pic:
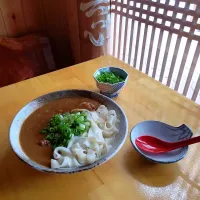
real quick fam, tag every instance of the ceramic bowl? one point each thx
(111, 90)
(164, 132)
(28, 109)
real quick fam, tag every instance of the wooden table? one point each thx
(127, 175)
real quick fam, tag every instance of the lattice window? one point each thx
(160, 38)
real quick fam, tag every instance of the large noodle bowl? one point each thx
(68, 131)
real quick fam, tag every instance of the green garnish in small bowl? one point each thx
(110, 80)
(109, 77)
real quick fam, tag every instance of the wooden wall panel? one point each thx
(13, 17)
(58, 19)
(56, 27)
(2, 26)
(71, 11)
(33, 15)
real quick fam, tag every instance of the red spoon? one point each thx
(154, 145)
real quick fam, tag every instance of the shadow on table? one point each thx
(148, 173)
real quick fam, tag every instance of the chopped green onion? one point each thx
(81, 127)
(62, 127)
(109, 77)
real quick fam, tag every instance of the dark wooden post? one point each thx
(94, 28)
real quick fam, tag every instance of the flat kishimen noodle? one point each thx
(89, 147)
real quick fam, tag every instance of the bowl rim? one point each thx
(100, 161)
(150, 159)
(94, 75)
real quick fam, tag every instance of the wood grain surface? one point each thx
(127, 175)
(56, 19)
(60, 20)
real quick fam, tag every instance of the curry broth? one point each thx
(30, 136)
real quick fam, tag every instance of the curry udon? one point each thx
(68, 132)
